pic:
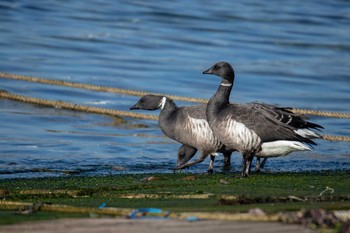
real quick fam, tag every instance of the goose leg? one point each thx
(211, 164)
(247, 161)
(259, 165)
(227, 160)
(244, 164)
(249, 164)
(262, 165)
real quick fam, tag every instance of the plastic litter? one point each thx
(149, 213)
(192, 219)
(103, 205)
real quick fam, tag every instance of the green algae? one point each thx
(184, 192)
(12, 217)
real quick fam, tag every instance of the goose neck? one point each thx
(222, 95)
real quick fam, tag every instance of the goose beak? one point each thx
(135, 107)
(208, 71)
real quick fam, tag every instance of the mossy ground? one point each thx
(179, 192)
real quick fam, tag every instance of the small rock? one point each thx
(189, 178)
(257, 212)
(4, 192)
(222, 181)
(150, 178)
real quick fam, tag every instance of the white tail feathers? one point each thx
(306, 133)
(280, 148)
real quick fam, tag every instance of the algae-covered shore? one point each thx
(177, 193)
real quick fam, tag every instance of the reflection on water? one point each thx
(295, 54)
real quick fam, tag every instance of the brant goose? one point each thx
(187, 125)
(285, 115)
(252, 130)
(186, 152)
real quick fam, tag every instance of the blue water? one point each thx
(295, 53)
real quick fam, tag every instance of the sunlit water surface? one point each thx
(296, 54)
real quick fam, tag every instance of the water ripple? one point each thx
(295, 54)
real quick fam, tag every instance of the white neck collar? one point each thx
(162, 103)
(226, 84)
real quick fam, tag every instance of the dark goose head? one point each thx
(223, 70)
(150, 102)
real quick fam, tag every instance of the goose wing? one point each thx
(197, 111)
(285, 115)
(263, 121)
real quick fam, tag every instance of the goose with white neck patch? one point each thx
(187, 125)
(252, 131)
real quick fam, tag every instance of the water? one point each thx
(295, 54)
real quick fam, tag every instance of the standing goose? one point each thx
(186, 125)
(252, 131)
(281, 114)
(186, 152)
